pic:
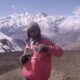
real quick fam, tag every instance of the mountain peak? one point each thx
(54, 27)
(7, 44)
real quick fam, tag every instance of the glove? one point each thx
(41, 48)
(24, 58)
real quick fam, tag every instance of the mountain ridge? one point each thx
(7, 44)
(64, 31)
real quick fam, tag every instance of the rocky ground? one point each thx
(65, 68)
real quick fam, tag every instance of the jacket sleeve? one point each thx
(55, 50)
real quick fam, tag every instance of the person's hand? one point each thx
(24, 58)
(42, 48)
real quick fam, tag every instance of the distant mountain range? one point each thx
(64, 31)
(7, 44)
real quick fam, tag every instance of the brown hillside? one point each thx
(65, 68)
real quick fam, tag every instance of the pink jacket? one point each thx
(39, 65)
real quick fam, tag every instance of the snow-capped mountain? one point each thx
(58, 28)
(18, 22)
(7, 44)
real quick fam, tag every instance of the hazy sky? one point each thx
(51, 7)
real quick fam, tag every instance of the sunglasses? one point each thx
(32, 31)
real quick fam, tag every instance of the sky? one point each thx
(51, 7)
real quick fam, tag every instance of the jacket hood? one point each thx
(33, 25)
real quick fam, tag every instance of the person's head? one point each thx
(33, 30)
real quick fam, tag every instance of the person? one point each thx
(38, 53)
